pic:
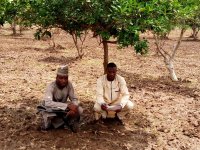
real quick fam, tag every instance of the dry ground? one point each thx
(166, 116)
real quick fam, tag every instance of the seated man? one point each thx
(56, 110)
(112, 97)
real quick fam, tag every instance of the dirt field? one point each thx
(166, 115)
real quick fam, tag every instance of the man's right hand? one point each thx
(104, 106)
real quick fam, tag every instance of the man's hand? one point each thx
(72, 113)
(116, 108)
(72, 107)
(104, 106)
(72, 110)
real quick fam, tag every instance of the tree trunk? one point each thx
(105, 48)
(79, 48)
(53, 42)
(20, 29)
(170, 67)
(13, 26)
(195, 31)
(81, 54)
(195, 34)
(169, 58)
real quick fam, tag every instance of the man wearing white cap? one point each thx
(60, 105)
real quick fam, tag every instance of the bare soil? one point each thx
(166, 115)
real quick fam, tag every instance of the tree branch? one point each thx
(178, 43)
(158, 46)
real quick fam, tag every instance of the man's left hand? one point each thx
(118, 108)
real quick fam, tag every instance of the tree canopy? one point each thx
(107, 19)
(114, 21)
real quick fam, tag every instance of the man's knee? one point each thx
(80, 110)
(130, 105)
(97, 107)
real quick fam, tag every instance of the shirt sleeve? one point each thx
(72, 95)
(99, 92)
(48, 99)
(124, 92)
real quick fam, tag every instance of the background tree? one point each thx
(70, 16)
(161, 18)
(194, 22)
(3, 4)
(107, 19)
(15, 14)
(119, 20)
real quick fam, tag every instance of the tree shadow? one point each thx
(61, 60)
(14, 36)
(134, 81)
(15, 124)
(21, 37)
(188, 39)
(19, 129)
(111, 135)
